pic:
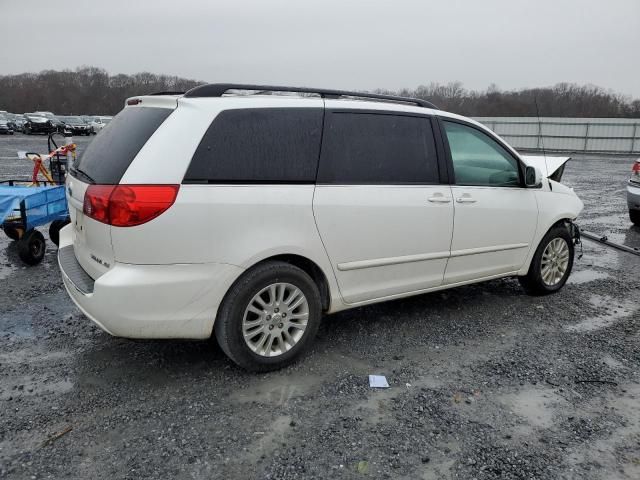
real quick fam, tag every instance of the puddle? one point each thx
(586, 276)
(16, 323)
(536, 405)
(277, 389)
(615, 310)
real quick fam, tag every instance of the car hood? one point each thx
(547, 165)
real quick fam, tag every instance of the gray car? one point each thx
(633, 193)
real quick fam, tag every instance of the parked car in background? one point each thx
(37, 124)
(57, 123)
(297, 207)
(19, 123)
(77, 126)
(88, 119)
(5, 128)
(99, 123)
(633, 193)
(12, 123)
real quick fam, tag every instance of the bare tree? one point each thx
(91, 90)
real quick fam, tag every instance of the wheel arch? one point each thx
(540, 233)
(311, 268)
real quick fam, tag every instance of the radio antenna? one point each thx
(535, 100)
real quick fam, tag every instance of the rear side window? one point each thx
(259, 145)
(109, 155)
(369, 148)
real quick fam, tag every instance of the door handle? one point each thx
(464, 199)
(439, 199)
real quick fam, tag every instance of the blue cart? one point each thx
(23, 208)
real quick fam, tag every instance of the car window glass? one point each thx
(478, 159)
(259, 145)
(371, 148)
(107, 158)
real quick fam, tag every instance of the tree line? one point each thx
(561, 100)
(84, 91)
(93, 91)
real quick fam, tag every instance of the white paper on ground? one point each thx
(378, 381)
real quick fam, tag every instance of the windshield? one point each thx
(74, 120)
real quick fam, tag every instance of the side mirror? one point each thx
(532, 177)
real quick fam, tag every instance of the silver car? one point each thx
(633, 193)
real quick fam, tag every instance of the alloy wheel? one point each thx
(555, 261)
(275, 319)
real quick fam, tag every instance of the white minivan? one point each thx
(232, 212)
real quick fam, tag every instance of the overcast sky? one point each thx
(351, 44)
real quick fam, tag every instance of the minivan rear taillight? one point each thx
(128, 205)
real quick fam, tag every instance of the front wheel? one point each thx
(269, 317)
(634, 216)
(551, 264)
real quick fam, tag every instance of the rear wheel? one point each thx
(31, 247)
(634, 216)
(54, 230)
(551, 264)
(269, 317)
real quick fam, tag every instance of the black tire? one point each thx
(228, 325)
(634, 216)
(12, 233)
(31, 247)
(533, 282)
(54, 230)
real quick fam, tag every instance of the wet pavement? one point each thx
(485, 381)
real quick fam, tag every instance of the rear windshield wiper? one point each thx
(76, 171)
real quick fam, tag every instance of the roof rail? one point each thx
(168, 92)
(219, 89)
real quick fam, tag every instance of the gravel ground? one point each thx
(486, 382)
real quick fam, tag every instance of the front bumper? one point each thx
(633, 196)
(148, 301)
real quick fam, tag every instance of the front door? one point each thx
(495, 216)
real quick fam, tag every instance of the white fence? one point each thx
(596, 135)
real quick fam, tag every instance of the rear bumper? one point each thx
(149, 301)
(633, 196)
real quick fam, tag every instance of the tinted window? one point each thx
(478, 159)
(377, 149)
(109, 155)
(279, 145)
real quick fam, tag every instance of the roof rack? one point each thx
(219, 89)
(168, 92)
